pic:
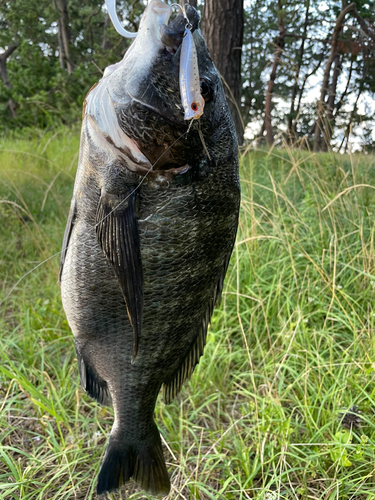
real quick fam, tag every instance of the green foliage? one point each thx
(308, 31)
(290, 347)
(46, 96)
(44, 93)
(260, 40)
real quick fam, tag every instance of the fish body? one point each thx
(149, 235)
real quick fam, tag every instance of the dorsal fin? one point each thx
(173, 386)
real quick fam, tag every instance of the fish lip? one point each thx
(171, 34)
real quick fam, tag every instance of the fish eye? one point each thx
(207, 90)
(194, 106)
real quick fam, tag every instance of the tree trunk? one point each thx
(302, 91)
(61, 45)
(63, 34)
(4, 75)
(330, 106)
(222, 27)
(107, 22)
(321, 111)
(279, 43)
(292, 114)
(353, 112)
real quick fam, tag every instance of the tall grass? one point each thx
(290, 349)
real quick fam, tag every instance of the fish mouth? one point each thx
(154, 50)
(137, 104)
(153, 115)
(171, 35)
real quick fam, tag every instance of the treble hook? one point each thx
(188, 25)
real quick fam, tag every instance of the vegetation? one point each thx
(294, 70)
(290, 350)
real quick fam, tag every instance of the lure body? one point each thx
(192, 100)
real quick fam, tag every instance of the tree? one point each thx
(62, 46)
(293, 114)
(63, 34)
(325, 117)
(222, 27)
(4, 75)
(280, 54)
(279, 47)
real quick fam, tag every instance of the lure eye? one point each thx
(194, 106)
(207, 90)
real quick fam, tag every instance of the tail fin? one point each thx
(141, 460)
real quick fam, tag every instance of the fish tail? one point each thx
(141, 460)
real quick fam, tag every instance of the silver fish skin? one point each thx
(150, 231)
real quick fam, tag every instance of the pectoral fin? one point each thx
(117, 233)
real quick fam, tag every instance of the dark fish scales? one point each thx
(150, 232)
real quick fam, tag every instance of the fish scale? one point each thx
(147, 243)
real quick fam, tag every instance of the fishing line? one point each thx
(28, 272)
(144, 177)
(202, 140)
(121, 202)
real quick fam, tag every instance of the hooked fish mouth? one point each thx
(171, 35)
(137, 104)
(154, 101)
(154, 37)
(130, 78)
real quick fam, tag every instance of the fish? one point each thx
(149, 235)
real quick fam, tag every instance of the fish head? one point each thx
(143, 90)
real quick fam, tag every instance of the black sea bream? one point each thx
(150, 231)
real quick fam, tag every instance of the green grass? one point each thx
(291, 346)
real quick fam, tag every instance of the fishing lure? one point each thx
(191, 97)
(192, 100)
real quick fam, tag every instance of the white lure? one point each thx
(190, 89)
